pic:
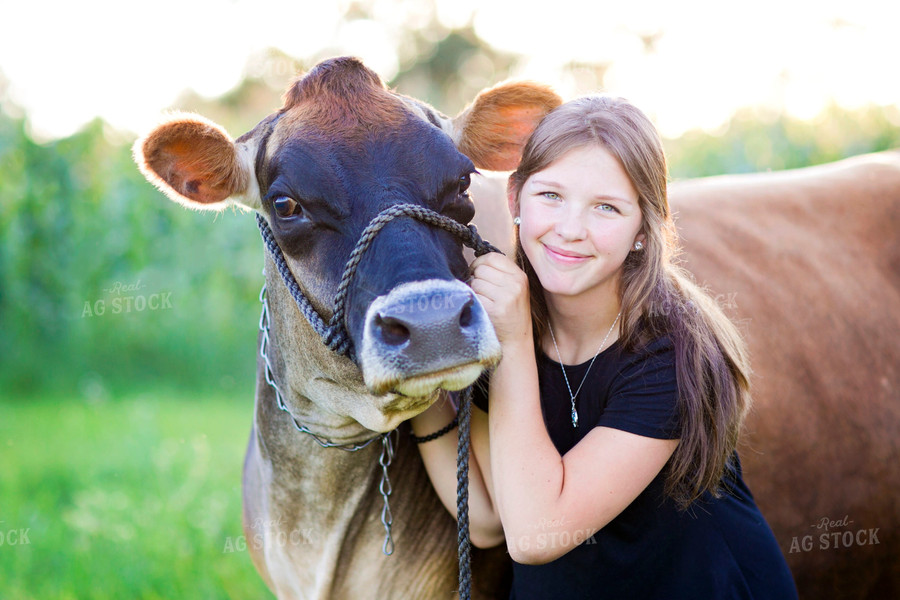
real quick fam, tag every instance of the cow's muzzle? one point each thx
(426, 335)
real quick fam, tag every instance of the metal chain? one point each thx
(387, 519)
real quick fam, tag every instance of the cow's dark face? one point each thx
(323, 194)
(342, 149)
(331, 164)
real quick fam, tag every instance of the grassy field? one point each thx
(131, 498)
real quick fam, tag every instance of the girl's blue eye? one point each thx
(607, 208)
(550, 195)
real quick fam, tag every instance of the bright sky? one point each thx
(67, 62)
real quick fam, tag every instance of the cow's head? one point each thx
(340, 150)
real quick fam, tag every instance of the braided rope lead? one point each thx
(338, 337)
(462, 496)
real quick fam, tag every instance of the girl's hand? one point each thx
(502, 288)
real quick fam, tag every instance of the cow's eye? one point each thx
(464, 182)
(285, 206)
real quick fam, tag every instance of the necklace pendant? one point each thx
(583, 379)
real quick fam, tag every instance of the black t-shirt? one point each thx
(719, 548)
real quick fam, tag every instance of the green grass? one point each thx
(131, 498)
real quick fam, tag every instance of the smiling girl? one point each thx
(608, 459)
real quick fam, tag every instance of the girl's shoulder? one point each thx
(646, 349)
(642, 395)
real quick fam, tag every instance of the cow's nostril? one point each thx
(465, 315)
(393, 332)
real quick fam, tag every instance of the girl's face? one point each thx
(580, 219)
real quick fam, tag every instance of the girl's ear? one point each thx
(640, 238)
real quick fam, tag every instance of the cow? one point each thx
(807, 262)
(342, 149)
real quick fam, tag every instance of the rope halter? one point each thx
(334, 333)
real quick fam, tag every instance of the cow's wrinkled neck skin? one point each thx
(287, 526)
(324, 391)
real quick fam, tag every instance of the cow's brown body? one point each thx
(810, 262)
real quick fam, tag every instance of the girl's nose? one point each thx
(570, 224)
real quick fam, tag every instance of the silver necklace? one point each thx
(583, 379)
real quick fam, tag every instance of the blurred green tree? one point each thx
(79, 226)
(758, 140)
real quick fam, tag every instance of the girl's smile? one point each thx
(565, 257)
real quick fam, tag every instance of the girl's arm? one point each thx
(549, 503)
(439, 456)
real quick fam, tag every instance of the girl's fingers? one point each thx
(496, 286)
(490, 275)
(502, 289)
(498, 269)
(486, 289)
(496, 261)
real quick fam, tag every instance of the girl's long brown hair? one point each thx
(658, 297)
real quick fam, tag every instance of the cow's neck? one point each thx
(315, 513)
(311, 504)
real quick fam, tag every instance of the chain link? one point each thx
(387, 519)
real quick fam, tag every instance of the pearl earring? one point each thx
(638, 245)
(517, 221)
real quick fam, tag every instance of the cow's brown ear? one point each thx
(194, 162)
(493, 130)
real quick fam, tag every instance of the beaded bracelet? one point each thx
(436, 434)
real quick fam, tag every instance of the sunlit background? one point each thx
(122, 431)
(690, 64)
